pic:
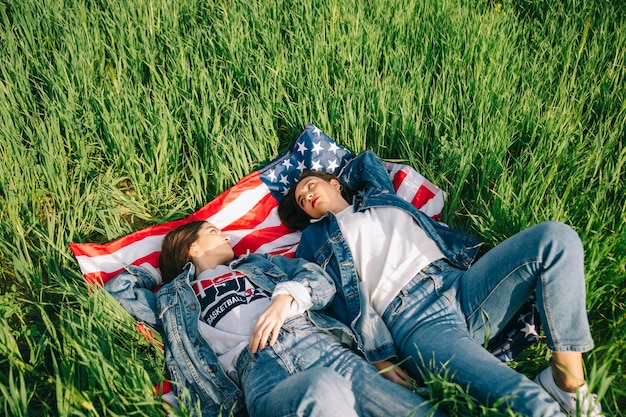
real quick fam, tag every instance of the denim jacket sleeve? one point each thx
(367, 171)
(132, 288)
(319, 284)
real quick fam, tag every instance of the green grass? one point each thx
(120, 114)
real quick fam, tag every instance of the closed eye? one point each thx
(307, 187)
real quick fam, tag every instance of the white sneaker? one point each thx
(572, 403)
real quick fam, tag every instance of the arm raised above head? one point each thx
(132, 288)
(367, 171)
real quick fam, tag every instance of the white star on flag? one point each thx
(332, 165)
(317, 147)
(302, 148)
(287, 163)
(301, 166)
(333, 148)
(529, 329)
(272, 175)
(316, 166)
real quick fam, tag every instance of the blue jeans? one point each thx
(309, 373)
(444, 317)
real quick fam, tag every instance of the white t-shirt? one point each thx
(230, 305)
(389, 248)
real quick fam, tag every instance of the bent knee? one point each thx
(561, 234)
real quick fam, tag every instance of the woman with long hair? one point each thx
(406, 288)
(243, 331)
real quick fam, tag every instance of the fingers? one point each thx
(260, 339)
(269, 323)
(264, 333)
(398, 377)
(274, 336)
(402, 378)
(403, 374)
(394, 373)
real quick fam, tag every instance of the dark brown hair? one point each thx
(291, 214)
(175, 249)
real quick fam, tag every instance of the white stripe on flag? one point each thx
(240, 206)
(271, 220)
(128, 254)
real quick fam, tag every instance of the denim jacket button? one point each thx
(197, 341)
(213, 368)
(192, 307)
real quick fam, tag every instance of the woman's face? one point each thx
(210, 242)
(316, 196)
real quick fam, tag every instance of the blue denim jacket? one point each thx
(175, 311)
(322, 242)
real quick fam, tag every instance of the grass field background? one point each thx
(115, 115)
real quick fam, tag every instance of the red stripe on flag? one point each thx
(287, 253)
(257, 238)
(98, 278)
(216, 205)
(162, 387)
(422, 196)
(398, 178)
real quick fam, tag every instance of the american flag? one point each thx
(248, 211)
